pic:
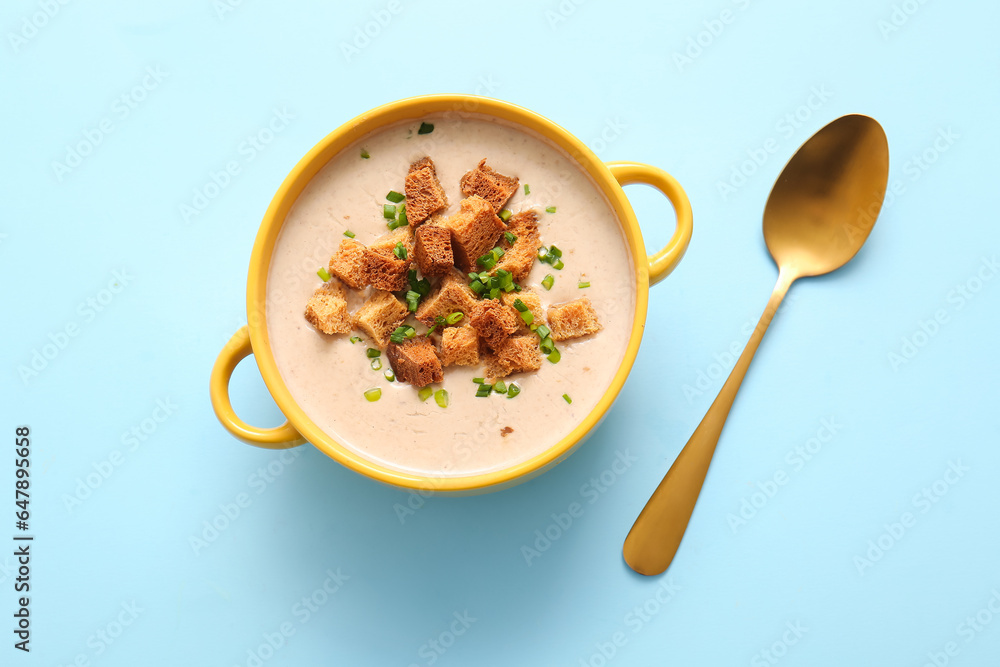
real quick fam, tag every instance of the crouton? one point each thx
(530, 299)
(520, 255)
(493, 187)
(460, 346)
(474, 231)
(493, 321)
(379, 316)
(424, 194)
(415, 361)
(327, 309)
(350, 264)
(433, 250)
(516, 354)
(385, 270)
(573, 319)
(452, 295)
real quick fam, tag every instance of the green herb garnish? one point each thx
(376, 364)
(390, 376)
(550, 209)
(348, 233)
(554, 357)
(567, 398)
(364, 154)
(424, 393)
(373, 394)
(513, 390)
(426, 128)
(395, 197)
(389, 211)
(441, 396)
(355, 339)
(323, 274)
(505, 214)
(527, 190)
(547, 282)
(454, 318)
(510, 237)
(583, 285)
(399, 250)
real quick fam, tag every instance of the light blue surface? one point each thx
(730, 592)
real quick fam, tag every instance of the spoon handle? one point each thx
(656, 534)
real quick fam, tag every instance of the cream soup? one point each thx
(328, 375)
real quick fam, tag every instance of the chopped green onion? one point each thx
(376, 364)
(373, 353)
(495, 293)
(355, 339)
(510, 237)
(513, 390)
(348, 233)
(402, 221)
(454, 318)
(520, 305)
(479, 380)
(558, 265)
(412, 300)
(567, 398)
(547, 346)
(422, 286)
(399, 250)
(441, 398)
(543, 254)
(505, 214)
(487, 261)
(555, 356)
(364, 154)
(527, 190)
(484, 390)
(393, 225)
(500, 387)
(554, 251)
(498, 252)
(425, 128)
(395, 197)
(424, 393)
(388, 211)
(390, 376)
(550, 209)
(323, 274)
(477, 287)
(373, 394)
(583, 285)
(542, 331)
(401, 333)
(527, 316)
(547, 282)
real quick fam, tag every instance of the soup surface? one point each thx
(328, 375)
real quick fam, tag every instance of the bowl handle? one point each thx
(238, 347)
(664, 261)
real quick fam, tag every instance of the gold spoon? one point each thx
(818, 216)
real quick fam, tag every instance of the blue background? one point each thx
(592, 67)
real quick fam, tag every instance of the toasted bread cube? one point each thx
(493, 321)
(327, 308)
(350, 264)
(520, 256)
(474, 231)
(379, 316)
(460, 346)
(530, 299)
(386, 271)
(517, 354)
(495, 188)
(424, 194)
(415, 361)
(433, 250)
(573, 319)
(452, 295)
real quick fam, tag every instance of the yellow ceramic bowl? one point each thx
(253, 339)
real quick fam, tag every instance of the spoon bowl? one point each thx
(824, 203)
(818, 215)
